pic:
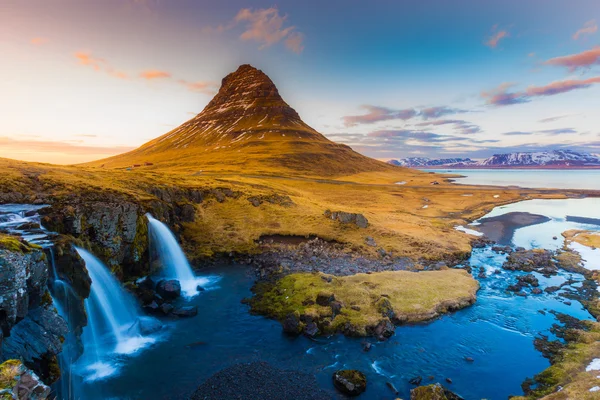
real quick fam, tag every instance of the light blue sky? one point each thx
(72, 85)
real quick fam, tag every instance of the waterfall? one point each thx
(113, 322)
(172, 258)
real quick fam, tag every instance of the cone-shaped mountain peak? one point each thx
(247, 126)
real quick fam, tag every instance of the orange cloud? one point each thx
(99, 64)
(580, 60)
(588, 28)
(154, 74)
(39, 41)
(496, 37)
(199, 86)
(295, 42)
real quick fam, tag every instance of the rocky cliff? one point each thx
(32, 331)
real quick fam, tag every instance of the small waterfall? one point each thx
(172, 258)
(113, 322)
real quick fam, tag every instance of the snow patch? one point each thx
(594, 365)
(468, 231)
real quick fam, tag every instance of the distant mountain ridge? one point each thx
(543, 159)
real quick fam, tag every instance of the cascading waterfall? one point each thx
(113, 318)
(174, 262)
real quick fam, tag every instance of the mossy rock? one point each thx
(8, 373)
(433, 392)
(350, 382)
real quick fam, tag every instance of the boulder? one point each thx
(350, 382)
(384, 330)
(347, 218)
(185, 312)
(166, 308)
(311, 329)
(291, 324)
(433, 392)
(145, 283)
(169, 289)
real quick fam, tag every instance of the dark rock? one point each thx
(448, 380)
(529, 279)
(469, 359)
(166, 308)
(146, 283)
(391, 386)
(552, 289)
(311, 329)
(347, 218)
(325, 298)
(169, 289)
(536, 291)
(370, 241)
(416, 380)
(355, 307)
(482, 275)
(367, 346)
(151, 308)
(384, 330)
(336, 307)
(350, 382)
(200, 288)
(145, 326)
(384, 306)
(184, 312)
(291, 324)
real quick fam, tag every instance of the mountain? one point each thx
(416, 162)
(566, 158)
(542, 159)
(247, 127)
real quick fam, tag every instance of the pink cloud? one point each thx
(580, 60)
(588, 28)
(199, 86)
(500, 96)
(99, 64)
(154, 74)
(496, 37)
(376, 114)
(264, 26)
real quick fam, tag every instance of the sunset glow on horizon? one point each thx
(87, 79)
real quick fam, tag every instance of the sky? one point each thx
(85, 79)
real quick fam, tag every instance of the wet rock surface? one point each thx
(433, 392)
(259, 380)
(350, 382)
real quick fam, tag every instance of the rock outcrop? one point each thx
(348, 218)
(32, 331)
(433, 392)
(350, 382)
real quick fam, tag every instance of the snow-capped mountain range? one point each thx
(545, 159)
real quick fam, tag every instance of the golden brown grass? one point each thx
(8, 372)
(586, 238)
(414, 296)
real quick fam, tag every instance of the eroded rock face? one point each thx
(23, 278)
(32, 331)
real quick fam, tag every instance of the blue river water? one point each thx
(497, 332)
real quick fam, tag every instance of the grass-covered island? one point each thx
(362, 304)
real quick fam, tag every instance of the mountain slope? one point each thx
(247, 127)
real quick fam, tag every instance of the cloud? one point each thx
(462, 126)
(266, 27)
(573, 62)
(588, 28)
(496, 37)
(39, 41)
(99, 64)
(377, 114)
(295, 42)
(517, 133)
(437, 112)
(560, 131)
(552, 119)
(502, 97)
(154, 74)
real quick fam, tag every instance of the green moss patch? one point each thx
(362, 301)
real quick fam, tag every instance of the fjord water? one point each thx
(173, 261)
(497, 332)
(528, 178)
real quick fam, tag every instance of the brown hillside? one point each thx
(247, 127)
